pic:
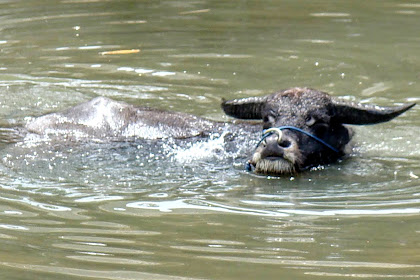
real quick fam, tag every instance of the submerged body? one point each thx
(303, 127)
(104, 118)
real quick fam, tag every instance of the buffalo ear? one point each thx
(351, 113)
(245, 108)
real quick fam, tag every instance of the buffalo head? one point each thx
(304, 127)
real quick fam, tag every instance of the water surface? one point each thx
(141, 210)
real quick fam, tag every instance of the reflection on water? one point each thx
(187, 209)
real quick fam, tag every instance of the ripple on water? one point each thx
(142, 210)
(355, 187)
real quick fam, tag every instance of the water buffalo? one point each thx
(302, 127)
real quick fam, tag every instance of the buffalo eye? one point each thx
(270, 117)
(310, 120)
(269, 121)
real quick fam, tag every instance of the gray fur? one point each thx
(313, 111)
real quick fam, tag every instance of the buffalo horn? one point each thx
(351, 113)
(244, 108)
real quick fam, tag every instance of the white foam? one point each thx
(201, 150)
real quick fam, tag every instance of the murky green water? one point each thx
(141, 211)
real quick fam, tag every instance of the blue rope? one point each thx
(265, 135)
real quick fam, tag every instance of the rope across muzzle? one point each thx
(278, 131)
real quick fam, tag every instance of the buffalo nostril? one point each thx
(273, 141)
(285, 143)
